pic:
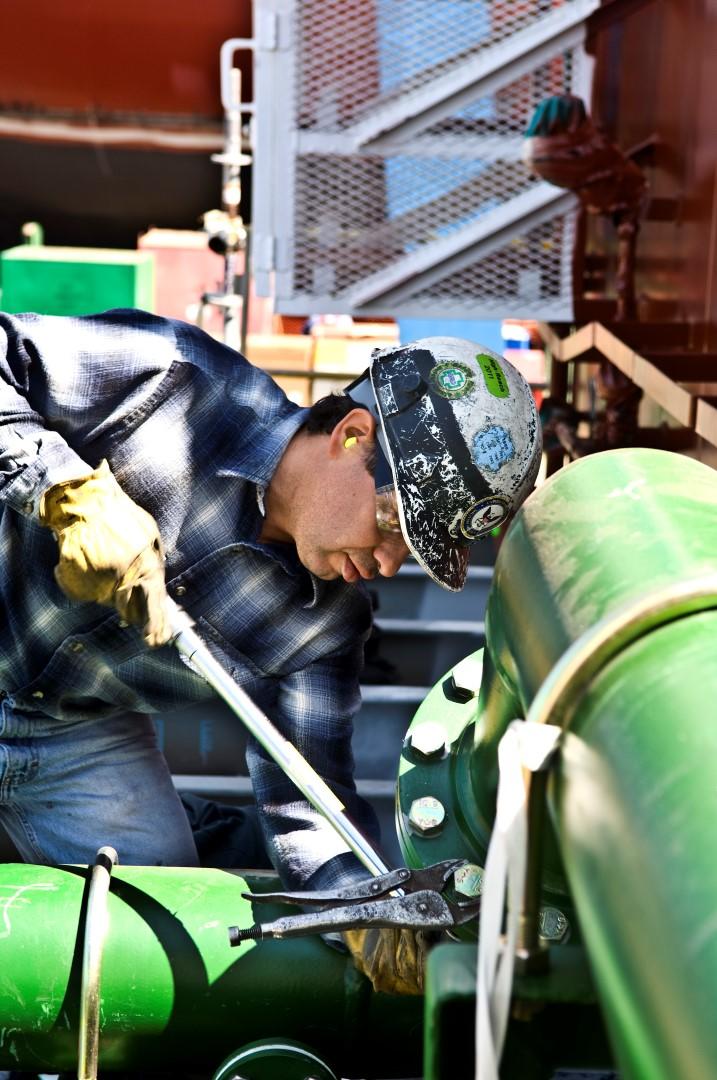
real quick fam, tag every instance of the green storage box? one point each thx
(75, 281)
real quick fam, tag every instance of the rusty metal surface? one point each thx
(128, 58)
(655, 79)
(109, 113)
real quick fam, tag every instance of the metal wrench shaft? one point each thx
(280, 749)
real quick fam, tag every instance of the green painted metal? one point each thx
(556, 1022)
(465, 830)
(633, 794)
(75, 281)
(464, 780)
(606, 530)
(174, 994)
(635, 804)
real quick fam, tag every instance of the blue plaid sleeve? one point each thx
(315, 711)
(61, 381)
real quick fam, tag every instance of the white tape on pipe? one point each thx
(525, 745)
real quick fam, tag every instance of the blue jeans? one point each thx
(65, 793)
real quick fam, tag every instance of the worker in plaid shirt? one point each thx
(140, 458)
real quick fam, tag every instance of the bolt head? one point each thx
(426, 815)
(467, 675)
(428, 740)
(552, 924)
(468, 880)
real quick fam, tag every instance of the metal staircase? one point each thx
(387, 155)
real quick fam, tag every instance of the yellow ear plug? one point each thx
(351, 441)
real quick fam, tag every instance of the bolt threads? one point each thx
(237, 934)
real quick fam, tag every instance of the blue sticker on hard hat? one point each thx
(483, 517)
(452, 379)
(492, 447)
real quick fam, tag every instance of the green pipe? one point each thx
(609, 529)
(633, 793)
(173, 992)
(635, 804)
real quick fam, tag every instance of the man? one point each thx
(140, 458)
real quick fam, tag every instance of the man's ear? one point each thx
(355, 430)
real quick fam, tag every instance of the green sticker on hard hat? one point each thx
(452, 379)
(495, 380)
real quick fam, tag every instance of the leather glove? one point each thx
(110, 550)
(392, 958)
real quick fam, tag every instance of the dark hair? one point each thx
(325, 413)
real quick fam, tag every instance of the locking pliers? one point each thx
(417, 902)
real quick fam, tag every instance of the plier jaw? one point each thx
(400, 898)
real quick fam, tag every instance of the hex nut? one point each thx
(468, 880)
(552, 924)
(427, 815)
(427, 741)
(467, 676)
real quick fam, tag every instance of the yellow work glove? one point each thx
(392, 958)
(110, 550)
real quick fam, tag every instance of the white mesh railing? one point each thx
(388, 173)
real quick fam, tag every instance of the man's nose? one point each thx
(390, 554)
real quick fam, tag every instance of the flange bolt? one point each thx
(427, 815)
(427, 741)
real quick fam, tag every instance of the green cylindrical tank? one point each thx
(174, 995)
(634, 798)
(606, 530)
(633, 793)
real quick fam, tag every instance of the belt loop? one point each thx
(6, 702)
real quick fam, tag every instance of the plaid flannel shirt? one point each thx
(193, 433)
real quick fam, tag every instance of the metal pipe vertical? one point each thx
(95, 932)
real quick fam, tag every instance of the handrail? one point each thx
(696, 409)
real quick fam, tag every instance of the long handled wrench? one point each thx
(281, 750)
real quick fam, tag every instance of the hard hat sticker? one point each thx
(495, 380)
(452, 379)
(483, 517)
(492, 447)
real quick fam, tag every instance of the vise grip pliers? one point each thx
(418, 902)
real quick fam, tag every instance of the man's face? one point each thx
(337, 533)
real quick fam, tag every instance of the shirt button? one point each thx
(77, 646)
(28, 507)
(38, 694)
(180, 590)
(123, 624)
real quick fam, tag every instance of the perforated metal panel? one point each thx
(388, 173)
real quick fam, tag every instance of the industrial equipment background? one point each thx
(388, 156)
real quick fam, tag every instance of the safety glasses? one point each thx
(387, 517)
